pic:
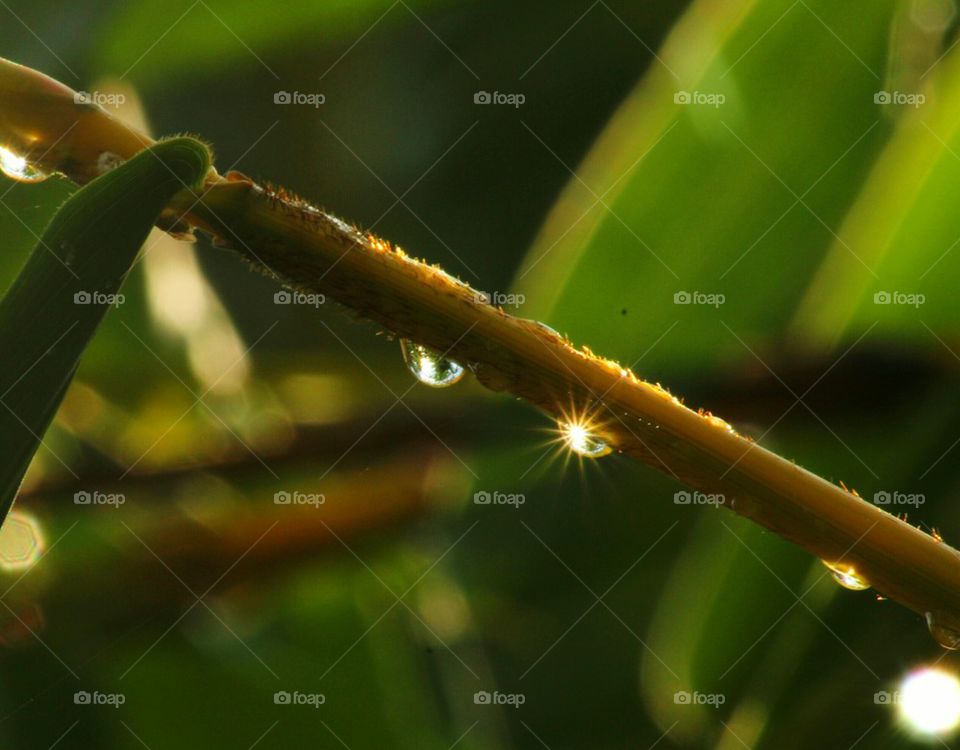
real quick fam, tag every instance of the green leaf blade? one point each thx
(71, 278)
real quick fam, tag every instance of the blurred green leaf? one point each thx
(799, 94)
(904, 226)
(218, 33)
(726, 587)
(683, 195)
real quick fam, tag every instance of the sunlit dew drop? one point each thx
(947, 637)
(21, 541)
(18, 168)
(428, 366)
(581, 440)
(847, 576)
(928, 701)
(547, 329)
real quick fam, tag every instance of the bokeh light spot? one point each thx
(929, 701)
(21, 541)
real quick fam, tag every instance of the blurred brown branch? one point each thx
(193, 542)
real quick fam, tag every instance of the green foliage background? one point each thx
(600, 198)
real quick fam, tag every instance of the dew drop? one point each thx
(945, 636)
(108, 161)
(18, 168)
(547, 329)
(581, 440)
(430, 367)
(847, 576)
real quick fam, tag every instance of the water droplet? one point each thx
(18, 168)
(108, 161)
(430, 367)
(847, 576)
(945, 636)
(547, 329)
(717, 421)
(581, 440)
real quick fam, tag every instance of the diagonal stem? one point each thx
(309, 250)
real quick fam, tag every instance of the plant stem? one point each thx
(311, 251)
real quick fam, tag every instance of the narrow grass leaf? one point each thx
(70, 279)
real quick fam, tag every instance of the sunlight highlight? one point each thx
(578, 435)
(18, 168)
(847, 576)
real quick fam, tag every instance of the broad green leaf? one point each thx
(720, 174)
(25, 209)
(69, 281)
(905, 227)
(741, 199)
(731, 583)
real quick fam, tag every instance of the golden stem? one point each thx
(311, 251)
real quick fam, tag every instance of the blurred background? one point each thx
(751, 203)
